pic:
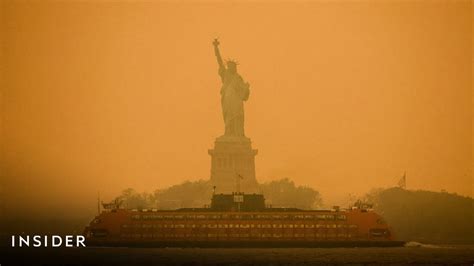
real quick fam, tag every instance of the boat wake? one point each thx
(421, 245)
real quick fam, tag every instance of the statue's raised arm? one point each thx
(218, 53)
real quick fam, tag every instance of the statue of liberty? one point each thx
(234, 92)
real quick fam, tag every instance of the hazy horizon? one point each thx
(345, 97)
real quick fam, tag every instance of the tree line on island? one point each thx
(425, 216)
(197, 194)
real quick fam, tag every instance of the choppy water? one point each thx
(413, 253)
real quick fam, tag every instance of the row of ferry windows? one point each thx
(239, 226)
(240, 216)
(332, 235)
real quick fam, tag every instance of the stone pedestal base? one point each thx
(233, 165)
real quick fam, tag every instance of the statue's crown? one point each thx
(231, 61)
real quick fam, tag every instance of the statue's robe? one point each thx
(234, 92)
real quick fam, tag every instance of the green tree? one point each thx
(426, 216)
(284, 193)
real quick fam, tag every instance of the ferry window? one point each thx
(135, 217)
(299, 216)
(352, 226)
(320, 226)
(201, 216)
(276, 217)
(309, 226)
(321, 217)
(329, 216)
(309, 217)
(341, 217)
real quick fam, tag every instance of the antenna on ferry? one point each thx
(98, 202)
(237, 181)
(213, 190)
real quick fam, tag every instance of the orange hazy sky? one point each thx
(345, 96)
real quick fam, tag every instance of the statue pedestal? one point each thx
(233, 165)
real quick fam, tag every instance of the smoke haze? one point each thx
(102, 96)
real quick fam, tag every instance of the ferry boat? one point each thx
(239, 220)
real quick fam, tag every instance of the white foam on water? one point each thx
(420, 245)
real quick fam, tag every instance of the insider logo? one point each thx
(54, 241)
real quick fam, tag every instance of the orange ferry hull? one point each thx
(267, 228)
